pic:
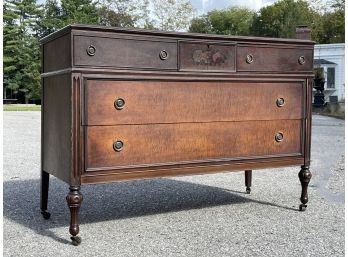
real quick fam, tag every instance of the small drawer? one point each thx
(124, 53)
(272, 59)
(110, 102)
(207, 56)
(137, 145)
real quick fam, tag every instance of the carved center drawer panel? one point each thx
(124, 53)
(207, 56)
(129, 145)
(144, 102)
(267, 59)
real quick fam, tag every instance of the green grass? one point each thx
(21, 107)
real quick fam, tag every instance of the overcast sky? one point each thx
(203, 6)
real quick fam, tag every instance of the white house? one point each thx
(330, 58)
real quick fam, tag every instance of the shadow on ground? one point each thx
(112, 201)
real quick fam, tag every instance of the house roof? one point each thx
(322, 61)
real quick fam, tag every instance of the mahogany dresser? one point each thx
(124, 104)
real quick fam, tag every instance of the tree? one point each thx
(123, 13)
(282, 18)
(330, 27)
(201, 24)
(10, 47)
(51, 19)
(172, 15)
(79, 11)
(21, 51)
(230, 21)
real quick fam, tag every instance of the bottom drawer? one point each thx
(139, 145)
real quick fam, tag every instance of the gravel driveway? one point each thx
(206, 215)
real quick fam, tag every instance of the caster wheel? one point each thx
(248, 191)
(76, 240)
(46, 215)
(302, 207)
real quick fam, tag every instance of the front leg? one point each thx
(74, 199)
(304, 176)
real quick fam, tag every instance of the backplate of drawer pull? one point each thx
(91, 50)
(118, 146)
(163, 55)
(249, 58)
(280, 102)
(301, 60)
(279, 137)
(119, 103)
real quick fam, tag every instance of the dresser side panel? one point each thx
(57, 54)
(57, 126)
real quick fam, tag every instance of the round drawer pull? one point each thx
(301, 60)
(118, 146)
(91, 50)
(163, 55)
(249, 58)
(280, 102)
(279, 137)
(119, 103)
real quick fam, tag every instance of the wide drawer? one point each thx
(144, 102)
(207, 56)
(137, 145)
(124, 53)
(273, 59)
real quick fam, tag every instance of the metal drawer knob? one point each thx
(118, 146)
(279, 137)
(163, 55)
(249, 58)
(301, 60)
(280, 102)
(91, 50)
(119, 103)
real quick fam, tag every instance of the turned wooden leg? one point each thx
(304, 176)
(74, 199)
(248, 181)
(45, 179)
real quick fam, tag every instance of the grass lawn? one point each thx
(22, 107)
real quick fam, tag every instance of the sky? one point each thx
(203, 6)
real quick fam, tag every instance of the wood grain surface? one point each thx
(172, 143)
(171, 102)
(124, 53)
(275, 59)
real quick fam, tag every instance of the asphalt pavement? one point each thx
(204, 215)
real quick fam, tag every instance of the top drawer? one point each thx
(124, 53)
(272, 59)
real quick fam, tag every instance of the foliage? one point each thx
(172, 14)
(330, 27)
(21, 48)
(282, 18)
(79, 11)
(201, 24)
(230, 21)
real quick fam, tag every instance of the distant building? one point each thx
(330, 58)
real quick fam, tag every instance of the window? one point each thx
(330, 77)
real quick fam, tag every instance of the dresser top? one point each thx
(171, 34)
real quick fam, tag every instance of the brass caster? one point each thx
(46, 215)
(76, 240)
(302, 207)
